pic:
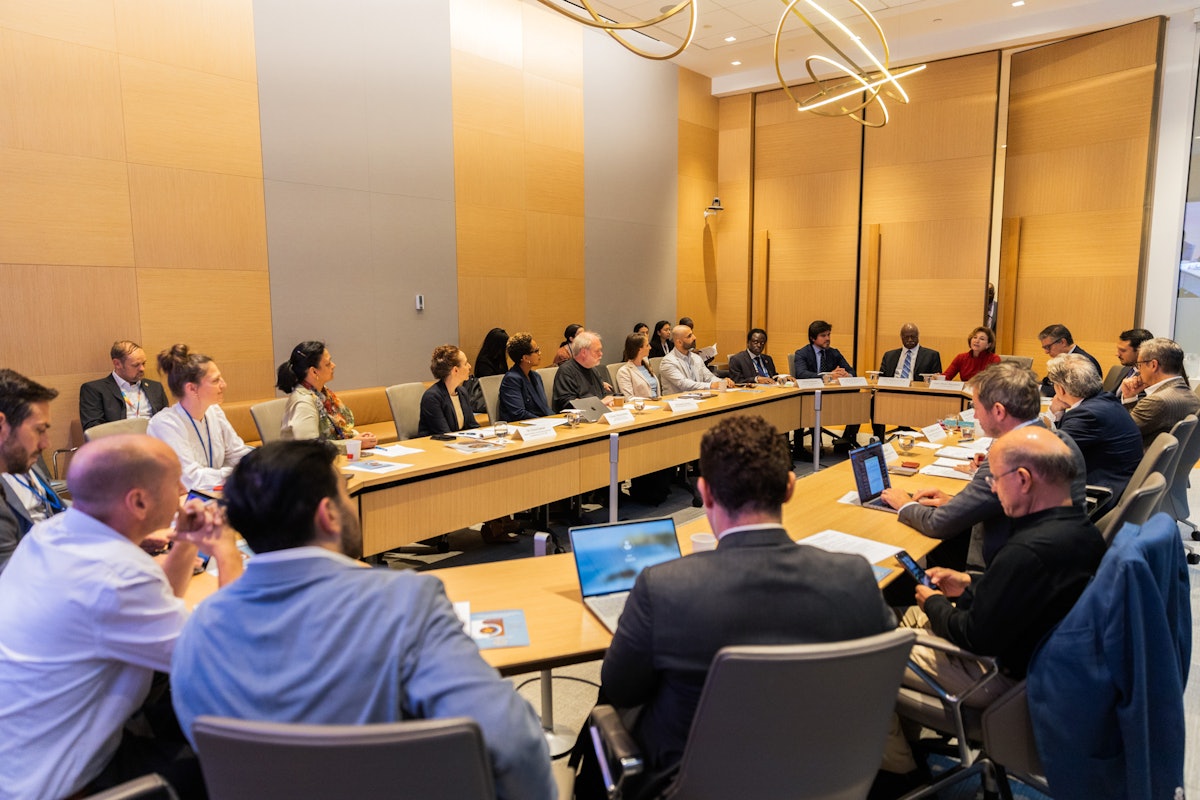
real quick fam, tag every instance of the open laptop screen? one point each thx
(609, 557)
(870, 471)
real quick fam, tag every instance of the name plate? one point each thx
(534, 433)
(934, 432)
(895, 383)
(968, 415)
(889, 453)
(619, 417)
(953, 386)
(852, 382)
(810, 383)
(683, 405)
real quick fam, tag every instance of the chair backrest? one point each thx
(405, 400)
(268, 418)
(121, 426)
(1008, 736)
(805, 743)
(428, 759)
(1155, 459)
(654, 362)
(612, 375)
(1021, 361)
(147, 787)
(1138, 504)
(1113, 378)
(1174, 500)
(792, 363)
(548, 374)
(490, 386)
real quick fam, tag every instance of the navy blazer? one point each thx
(741, 367)
(927, 362)
(521, 397)
(437, 411)
(101, 401)
(1108, 438)
(831, 359)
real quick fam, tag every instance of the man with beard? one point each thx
(24, 434)
(682, 370)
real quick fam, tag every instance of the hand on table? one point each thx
(931, 497)
(368, 440)
(609, 401)
(895, 497)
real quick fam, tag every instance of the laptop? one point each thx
(609, 558)
(591, 407)
(871, 476)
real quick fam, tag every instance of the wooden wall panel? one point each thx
(86, 22)
(1081, 124)
(710, 291)
(732, 229)
(211, 36)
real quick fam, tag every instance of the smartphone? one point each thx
(914, 569)
(443, 437)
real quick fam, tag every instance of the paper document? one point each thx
(961, 453)
(543, 422)
(491, 629)
(707, 353)
(945, 472)
(928, 445)
(477, 447)
(832, 541)
(950, 463)
(392, 450)
(376, 467)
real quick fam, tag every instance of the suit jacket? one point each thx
(521, 397)
(101, 401)
(631, 381)
(1158, 412)
(437, 411)
(1109, 440)
(1048, 388)
(927, 362)
(1129, 372)
(757, 587)
(15, 521)
(831, 359)
(741, 367)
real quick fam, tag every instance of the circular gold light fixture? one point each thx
(616, 29)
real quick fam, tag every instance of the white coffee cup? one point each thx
(353, 449)
(703, 541)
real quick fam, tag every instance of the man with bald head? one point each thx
(87, 617)
(682, 370)
(1030, 585)
(910, 361)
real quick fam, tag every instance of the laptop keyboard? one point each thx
(609, 605)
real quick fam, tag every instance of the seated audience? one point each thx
(1056, 341)
(757, 588)
(579, 376)
(445, 406)
(910, 360)
(24, 428)
(641, 327)
(87, 617)
(819, 358)
(1158, 396)
(195, 426)
(1029, 587)
(660, 340)
(752, 365)
(1109, 440)
(634, 378)
(522, 392)
(684, 371)
(313, 411)
(125, 393)
(1128, 343)
(388, 644)
(564, 350)
(980, 356)
(491, 359)
(708, 359)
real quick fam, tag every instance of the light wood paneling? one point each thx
(696, 104)
(550, 47)
(553, 180)
(192, 120)
(554, 247)
(553, 113)
(697, 151)
(86, 22)
(1083, 57)
(183, 218)
(491, 242)
(65, 430)
(57, 209)
(489, 169)
(737, 276)
(720, 311)
(1102, 108)
(491, 29)
(59, 97)
(490, 96)
(214, 36)
(1119, 185)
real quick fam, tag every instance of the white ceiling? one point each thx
(916, 30)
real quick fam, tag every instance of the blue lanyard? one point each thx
(51, 504)
(207, 430)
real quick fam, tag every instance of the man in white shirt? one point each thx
(87, 617)
(124, 394)
(681, 370)
(24, 434)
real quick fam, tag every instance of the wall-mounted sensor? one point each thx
(420, 302)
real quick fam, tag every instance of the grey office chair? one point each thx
(1021, 361)
(654, 362)
(147, 787)
(1158, 455)
(547, 374)
(1175, 500)
(612, 375)
(1138, 504)
(1112, 378)
(117, 428)
(490, 386)
(441, 759)
(405, 402)
(791, 363)
(784, 721)
(268, 418)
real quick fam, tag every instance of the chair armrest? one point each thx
(54, 460)
(616, 750)
(990, 668)
(1097, 497)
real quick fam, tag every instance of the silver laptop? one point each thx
(609, 558)
(871, 476)
(591, 407)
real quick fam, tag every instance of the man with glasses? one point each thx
(1056, 340)
(1158, 396)
(752, 365)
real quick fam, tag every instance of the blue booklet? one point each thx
(491, 629)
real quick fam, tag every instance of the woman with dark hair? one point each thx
(313, 410)
(634, 378)
(981, 356)
(660, 340)
(195, 427)
(564, 349)
(491, 359)
(522, 393)
(641, 327)
(446, 406)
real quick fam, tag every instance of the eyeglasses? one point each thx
(1140, 363)
(1046, 347)
(992, 480)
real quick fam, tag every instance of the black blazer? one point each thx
(1108, 438)
(659, 348)
(437, 411)
(1048, 387)
(101, 401)
(741, 367)
(521, 397)
(831, 359)
(927, 362)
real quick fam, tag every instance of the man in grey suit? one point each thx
(24, 433)
(1158, 396)
(1006, 398)
(123, 394)
(757, 587)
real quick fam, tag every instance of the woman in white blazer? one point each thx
(634, 378)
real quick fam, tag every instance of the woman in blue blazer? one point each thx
(522, 393)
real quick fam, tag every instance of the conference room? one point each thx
(245, 176)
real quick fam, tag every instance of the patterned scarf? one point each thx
(335, 421)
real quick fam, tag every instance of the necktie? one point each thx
(762, 370)
(819, 361)
(907, 364)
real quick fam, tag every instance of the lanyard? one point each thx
(208, 430)
(50, 503)
(137, 389)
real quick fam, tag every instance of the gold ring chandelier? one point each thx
(615, 29)
(864, 84)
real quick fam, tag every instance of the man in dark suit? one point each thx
(24, 423)
(1158, 396)
(1128, 343)
(909, 361)
(752, 365)
(1056, 340)
(757, 587)
(1109, 440)
(819, 357)
(125, 393)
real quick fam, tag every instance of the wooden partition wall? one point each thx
(131, 201)
(1082, 122)
(711, 295)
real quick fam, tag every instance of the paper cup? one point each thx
(353, 449)
(703, 541)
